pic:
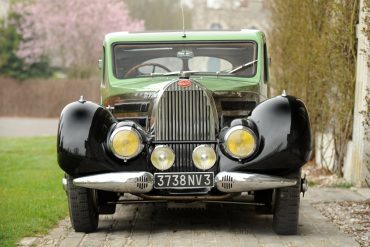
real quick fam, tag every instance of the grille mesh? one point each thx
(142, 182)
(184, 114)
(227, 182)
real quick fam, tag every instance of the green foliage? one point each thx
(343, 185)
(313, 45)
(159, 14)
(31, 196)
(10, 64)
(311, 183)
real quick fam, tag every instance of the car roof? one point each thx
(178, 36)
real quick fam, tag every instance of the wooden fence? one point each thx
(43, 98)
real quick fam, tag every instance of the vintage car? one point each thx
(184, 117)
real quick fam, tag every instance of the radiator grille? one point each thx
(184, 114)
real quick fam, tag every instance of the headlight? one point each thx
(240, 142)
(125, 142)
(162, 157)
(204, 157)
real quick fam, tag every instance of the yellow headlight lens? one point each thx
(240, 142)
(126, 143)
(162, 157)
(204, 157)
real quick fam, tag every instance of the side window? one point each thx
(266, 64)
(102, 67)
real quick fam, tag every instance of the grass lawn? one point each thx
(31, 196)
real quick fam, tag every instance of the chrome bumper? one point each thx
(130, 182)
(142, 182)
(64, 184)
(243, 182)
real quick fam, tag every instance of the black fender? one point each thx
(283, 132)
(82, 141)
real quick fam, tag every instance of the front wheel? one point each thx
(286, 211)
(83, 208)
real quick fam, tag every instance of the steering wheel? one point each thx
(154, 65)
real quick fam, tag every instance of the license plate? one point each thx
(183, 180)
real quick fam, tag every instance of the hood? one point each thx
(212, 83)
(136, 98)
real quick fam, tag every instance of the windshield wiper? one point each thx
(239, 68)
(186, 73)
(172, 73)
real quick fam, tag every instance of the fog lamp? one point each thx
(204, 157)
(162, 157)
(125, 142)
(240, 142)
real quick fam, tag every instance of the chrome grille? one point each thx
(185, 114)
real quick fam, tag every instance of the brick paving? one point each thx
(216, 225)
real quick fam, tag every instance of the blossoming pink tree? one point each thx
(70, 32)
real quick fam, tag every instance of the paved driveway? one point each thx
(217, 225)
(17, 127)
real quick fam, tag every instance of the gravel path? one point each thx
(352, 217)
(19, 127)
(217, 225)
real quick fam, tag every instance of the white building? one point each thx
(357, 167)
(231, 14)
(4, 7)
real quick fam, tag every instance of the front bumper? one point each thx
(143, 182)
(130, 182)
(243, 182)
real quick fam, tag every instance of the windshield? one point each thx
(140, 60)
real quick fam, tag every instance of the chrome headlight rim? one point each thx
(227, 135)
(168, 148)
(126, 128)
(204, 146)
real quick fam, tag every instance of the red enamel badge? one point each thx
(184, 83)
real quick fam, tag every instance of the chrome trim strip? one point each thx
(64, 183)
(130, 182)
(243, 182)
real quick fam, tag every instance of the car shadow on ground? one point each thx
(238, 219)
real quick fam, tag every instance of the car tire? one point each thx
(286, 209)
(83, 209)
